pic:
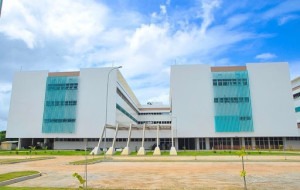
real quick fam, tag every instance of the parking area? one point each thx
(156, 174)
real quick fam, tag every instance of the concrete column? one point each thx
(172, 136)
(243, 142)
(207, 144)
(97, 150)
(173, 151)
(19, 144)
(231, 140)
(269, 143)
(111, 150)
(157, 136)
(85, 143)
(253, 143)
(197, 143)
(157, 149)
(176, 143)
(143, 139)
(126, 150)
(141, 151)
(284, 143)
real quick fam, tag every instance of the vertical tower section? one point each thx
(60, 104)
(232, 101)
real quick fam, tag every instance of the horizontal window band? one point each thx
(232, 100)
(61, 103)
(59, 120)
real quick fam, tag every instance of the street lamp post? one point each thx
(106, 99)
(173, 149)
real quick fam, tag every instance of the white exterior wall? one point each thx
(192, 101)
(91, 103)
(27, 105)
(272, 100)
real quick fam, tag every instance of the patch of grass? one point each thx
(234, 152)
(43, 152)
(88, 161)
(150, 153)
(14, 161)
(118, 153)
(35, 188)
(133, 153)
(13, 175)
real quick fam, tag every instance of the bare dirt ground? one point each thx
(205, 173)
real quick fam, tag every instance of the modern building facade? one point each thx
(296, 96)
(228, 107)
(210, 108)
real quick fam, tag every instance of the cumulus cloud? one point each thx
(265, 56)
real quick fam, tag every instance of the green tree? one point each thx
(80, 179)
(2, 136)
(32, 149)
(242, 153)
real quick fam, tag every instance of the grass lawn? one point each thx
(43, 152)
(35, 188)
(223, 153)
(150, 153)
(88, 161)
(15, 160)
(13, 175)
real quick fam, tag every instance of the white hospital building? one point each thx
(210, 108)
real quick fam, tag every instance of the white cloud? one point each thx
(5, 90)
(265, 56)
(285, 19)
(76, 23)
(207, 15)
(283, 8)
(163, 9)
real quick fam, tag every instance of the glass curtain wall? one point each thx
(60, 105)
(232, 102)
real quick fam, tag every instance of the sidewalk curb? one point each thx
(19, 179)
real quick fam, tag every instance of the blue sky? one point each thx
(145, 37)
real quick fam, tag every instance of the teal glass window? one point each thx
(232, 102)
(126, 113)
(60, 104)
(297, 109)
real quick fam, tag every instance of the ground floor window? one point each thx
(165, 143)
(262, 142)
(275, 142)
(186, 144)
(202, 144)
(220, 143)
(248, 143)
(237, 143)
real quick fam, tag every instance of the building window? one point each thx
(231, 95)
(60, 104)
(297, 95)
